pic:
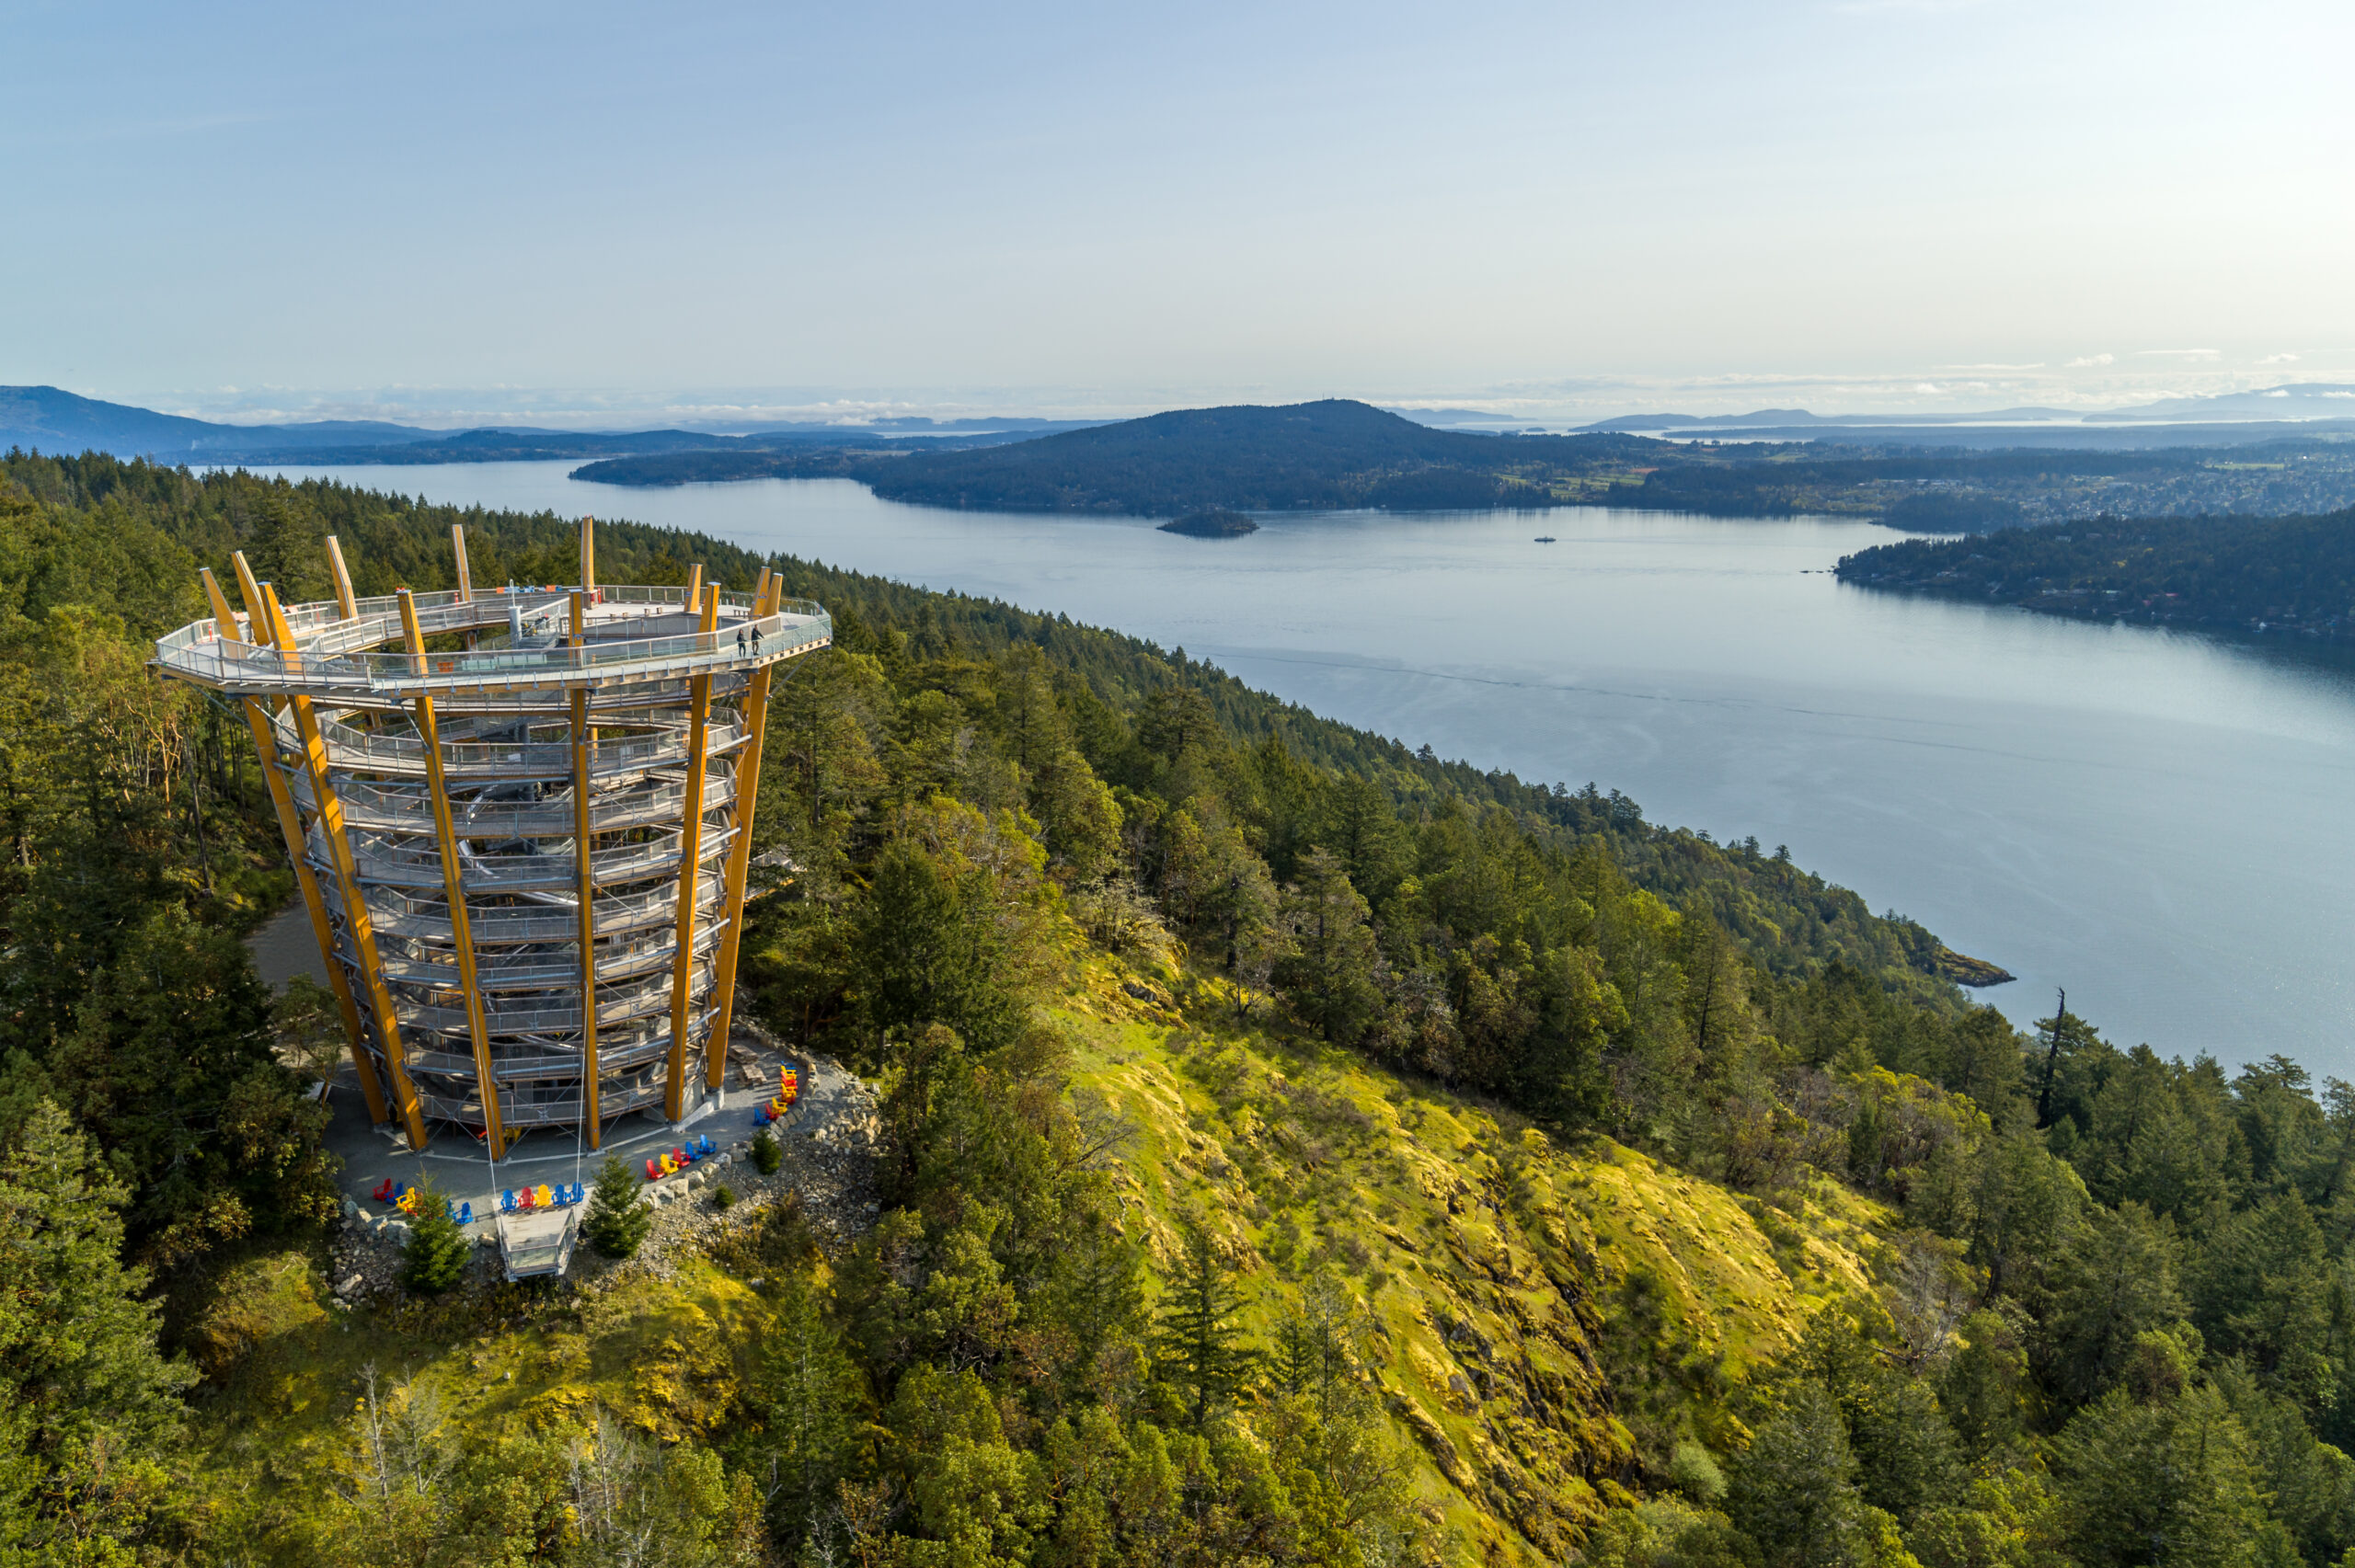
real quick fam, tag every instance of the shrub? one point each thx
(255, 1303)
(721, 1197)
(766, 1155)
(1693, 1470)
(617, 1222)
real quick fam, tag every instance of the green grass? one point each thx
(1485, 1257)
(1541, 1321)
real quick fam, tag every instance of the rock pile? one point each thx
(828, 1146)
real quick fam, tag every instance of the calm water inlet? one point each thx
(2156, 821)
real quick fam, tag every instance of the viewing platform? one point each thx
(632, 636)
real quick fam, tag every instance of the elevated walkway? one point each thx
(332, 664)
(521, 823)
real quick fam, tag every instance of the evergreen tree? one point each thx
(1366, 834)
(1313, 1342)
(807, 1399)
(172, 1054)
(437, 1251)
(1173, 719)
(1982, 1388)
(1200, 1351)
(931, 951)
(286, 548)
(2114, 1281)
(1793, 1492)
(1329, 973)
(2165, 1478)
(616, 1222)
(86, 1400)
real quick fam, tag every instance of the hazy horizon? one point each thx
(721, 408)
(575, 215)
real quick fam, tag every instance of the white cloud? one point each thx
(2177, 354)
(1925, 387)
(2279, 359)
(2093, 360)
(2038, 366)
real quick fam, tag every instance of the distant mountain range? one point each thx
(46, 418)
(2301, 410)
(1339, 455)
(1251, 457)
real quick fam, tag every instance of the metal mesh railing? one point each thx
(381, 862)
(353, 749)
(616, 1004)
(550, 918)
(328, 656)
(391, 807)
(548, 970)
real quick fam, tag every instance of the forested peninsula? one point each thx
(2280, 577)
(1291, 1148)
(1339, 455)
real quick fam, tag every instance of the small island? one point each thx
(1214, 522)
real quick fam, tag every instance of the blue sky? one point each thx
(580, 211)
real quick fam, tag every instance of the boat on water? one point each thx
(1544, 539)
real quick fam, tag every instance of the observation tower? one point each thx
(521, 821)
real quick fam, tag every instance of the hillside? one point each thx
(1283, 1148)
(1334, 453)
(1478, 1264)
(50, 421)
(45, 418)
(2279, 577)
(1339, 455)
(1484, 1259)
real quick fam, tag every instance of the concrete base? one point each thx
(457, 1162)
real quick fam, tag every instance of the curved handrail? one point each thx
(327, 660)
(616, 1004)
(379, 862)
(387, 809)
(352, 749)
(398, 914)
(555, 1113)
(550, 971)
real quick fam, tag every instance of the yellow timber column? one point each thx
(344, 601)
(461, 929)
(458, 548)
(290, 823)
(740, 852)
(589, 556)
(584, 740)
(355, 907)
(683, 963)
